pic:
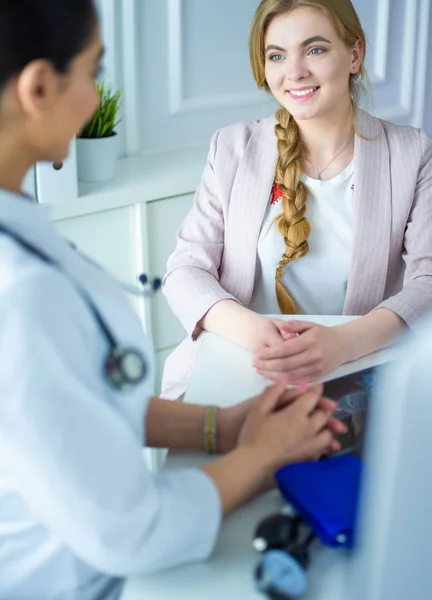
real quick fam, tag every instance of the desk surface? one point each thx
(228, 575)
(223, 375)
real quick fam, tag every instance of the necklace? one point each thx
(319, 173)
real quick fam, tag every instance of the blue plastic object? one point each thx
(325, 494)
(282, 574)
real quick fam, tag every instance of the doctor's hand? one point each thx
(277, 430)
(289, 426)
(232, 419)
(306, 352)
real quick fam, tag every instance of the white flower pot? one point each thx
(97, 158)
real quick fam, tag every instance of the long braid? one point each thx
(292, 223)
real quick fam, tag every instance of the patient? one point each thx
(318, 209)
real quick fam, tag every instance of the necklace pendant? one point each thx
(319, 176)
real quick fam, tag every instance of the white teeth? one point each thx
(303, 92)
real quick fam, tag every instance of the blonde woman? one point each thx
(319, 209)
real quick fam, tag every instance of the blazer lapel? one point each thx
(249, 200)
(372, 218)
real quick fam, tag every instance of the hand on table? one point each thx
(235, 420)
(305, 351)
(291, 425)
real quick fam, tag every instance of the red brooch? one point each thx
(276, 194)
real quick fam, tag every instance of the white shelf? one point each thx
(138, 179)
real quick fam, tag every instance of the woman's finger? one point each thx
(284, 364)
(319, 419)
(271, 397)
(288, 397)
(321, 442)
(328, 404)
(294, 378)
(284, 348)
(335, 446)
(336, 426)
(308, 402)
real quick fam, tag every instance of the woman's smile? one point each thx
(304, 93)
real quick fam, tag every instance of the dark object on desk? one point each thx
(324, 495)
(281, 572)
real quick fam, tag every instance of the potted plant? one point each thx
(97, 143)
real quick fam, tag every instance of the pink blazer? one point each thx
(216, 247)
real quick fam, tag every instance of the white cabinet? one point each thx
(164, 218)
(107, 237)
(110, 238)
(128, 241)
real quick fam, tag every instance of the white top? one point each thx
(76, 496)
(317, 282)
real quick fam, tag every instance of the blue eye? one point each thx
(316, 51)
(276, 57)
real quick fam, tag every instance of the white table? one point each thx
(223, 375)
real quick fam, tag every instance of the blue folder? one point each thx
(325, 495)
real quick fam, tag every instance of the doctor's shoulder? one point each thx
(34, 292)
(19, 270)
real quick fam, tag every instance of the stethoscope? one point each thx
(124, 367)
(283, 540)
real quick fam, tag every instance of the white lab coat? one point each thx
(79, 509)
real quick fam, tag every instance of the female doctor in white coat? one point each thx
(79, 509)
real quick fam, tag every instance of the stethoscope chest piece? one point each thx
(281, 576)
(283, 545)
(125, 368)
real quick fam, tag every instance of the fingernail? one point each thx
(282, 380)
(301, 387)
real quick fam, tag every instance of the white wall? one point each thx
(185, 68)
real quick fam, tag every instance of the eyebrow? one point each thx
(311, 40)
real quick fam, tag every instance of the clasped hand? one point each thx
(298, 350)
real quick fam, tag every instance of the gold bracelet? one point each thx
(210, 429)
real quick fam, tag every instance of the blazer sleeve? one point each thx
(191, 284)
(416, 295)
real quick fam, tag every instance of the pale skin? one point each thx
(303, 51)
(40, 112)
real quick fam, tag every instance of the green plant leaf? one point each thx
(105, 119)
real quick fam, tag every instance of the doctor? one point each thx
(79, 509)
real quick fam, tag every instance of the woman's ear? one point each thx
(357, 57)
(37, 88)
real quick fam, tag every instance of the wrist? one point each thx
(348, 347)
(226, 435)
(262, 328)
(258, 461)
(262, 458)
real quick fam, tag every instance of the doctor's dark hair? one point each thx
(292, 223)
(55, 30)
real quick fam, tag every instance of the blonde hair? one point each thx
(292, 223)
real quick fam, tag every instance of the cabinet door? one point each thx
(109, 238)
(160, 358)
(164, 218)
